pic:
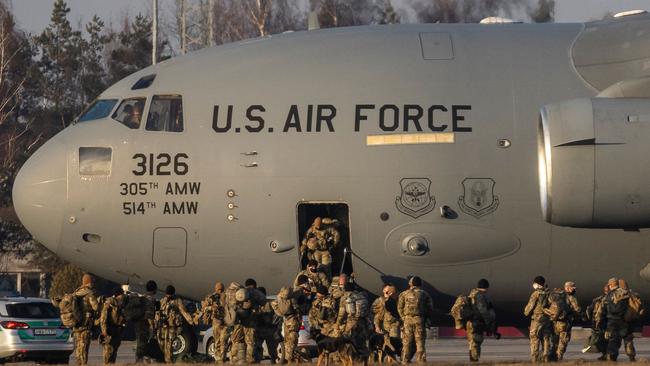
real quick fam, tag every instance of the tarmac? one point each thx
(444, 351)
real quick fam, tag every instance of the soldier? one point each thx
(254, 300)
(299, 306)
(232, 302)
(330, 240)
(540, 325)
(319, 241)
(414, 306)
(212, 313)
(562, 327)
(353, 319)
(83, 331)
(112, 322)
(145, 327)
(614, 309)
(594, 314)
(386, 319)
(323, 314)
(316, 277)
(628, 341)
(267, 330)
(483, 319)
(171, 315)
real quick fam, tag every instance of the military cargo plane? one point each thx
(434, 146)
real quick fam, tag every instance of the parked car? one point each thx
(31, 329)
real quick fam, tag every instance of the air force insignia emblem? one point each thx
(416, 199)
(478, 198)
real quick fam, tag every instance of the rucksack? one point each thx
(116, 314)
(134, 307)
(462, 311)
(356, 305)
(71, 308)
(171, 314)
(412, 301)
(557, 309)
(230, 317)
(635, 309)
(282, 306)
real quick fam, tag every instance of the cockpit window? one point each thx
(144, 82)
(129, 113)
(165, 114)
(99, 109)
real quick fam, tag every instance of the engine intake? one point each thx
(594, 163)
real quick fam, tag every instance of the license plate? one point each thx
(45, 332)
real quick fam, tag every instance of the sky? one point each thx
(34, 15)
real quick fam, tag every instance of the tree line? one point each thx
(46, 79)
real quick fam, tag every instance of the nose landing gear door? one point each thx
(324, 236)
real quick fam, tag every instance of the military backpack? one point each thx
(462, 311)
(134, 307)
(116, 313)
(635, 308)
(230, 317)
(557, 307)
(356, 305)
(413, 302)
(171, 314)
(282, 306)
(72, 310)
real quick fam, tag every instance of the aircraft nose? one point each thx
(40, 193)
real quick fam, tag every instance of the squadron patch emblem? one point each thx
(478, 198)
(415, 200)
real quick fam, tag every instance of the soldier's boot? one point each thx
(472, 357)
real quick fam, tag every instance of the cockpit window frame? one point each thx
(144, 111)
(162, 96)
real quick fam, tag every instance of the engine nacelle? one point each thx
(594, 163)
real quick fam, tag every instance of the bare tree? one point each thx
(258, 12)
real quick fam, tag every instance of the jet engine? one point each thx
(594, 163)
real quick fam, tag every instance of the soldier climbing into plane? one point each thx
(320, 239)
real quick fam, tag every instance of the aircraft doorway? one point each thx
(334, 233)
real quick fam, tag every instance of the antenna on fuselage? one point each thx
(154, 32)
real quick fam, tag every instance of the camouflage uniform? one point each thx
(562, 328)
(325, 236)
(482, 320)
(267, 331)
(82, 333)
(323, 314)
(235, 328)
(145, 327)
(252, 307)
(315, 279)
(293, 321)
(212, 313)
(354, 326)
(387, 323)
(540, 325)
(386, 319)
(171, 315)
(112, 322)
(614, 308)
(594, 314)
(414, 307)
